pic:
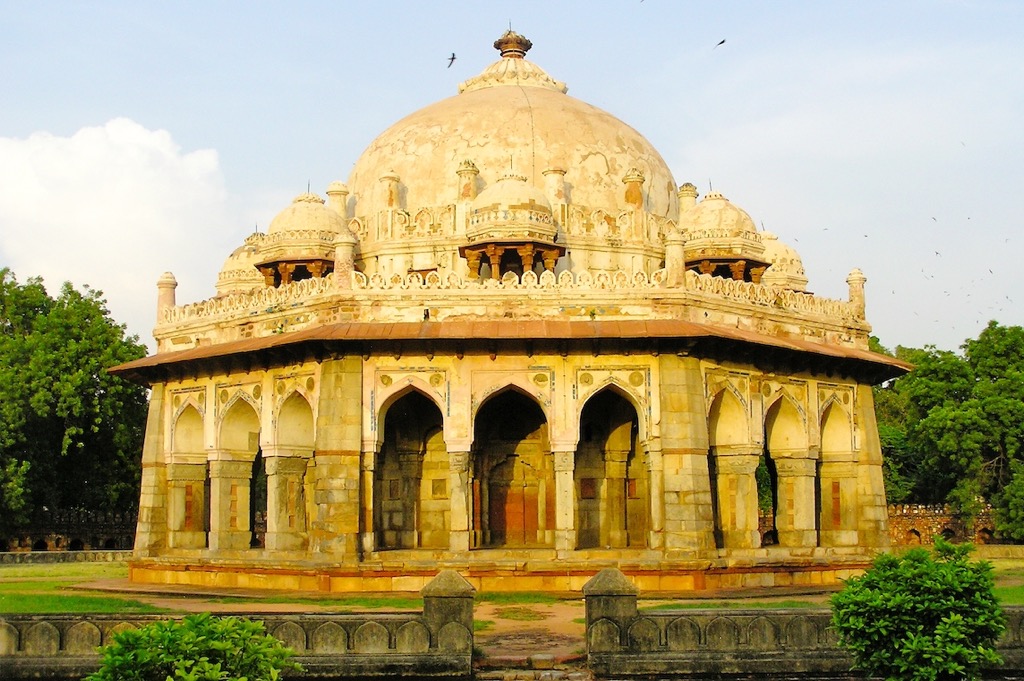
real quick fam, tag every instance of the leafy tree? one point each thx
(917, 618)
(70, 433)
(198, 647)
(953, 427)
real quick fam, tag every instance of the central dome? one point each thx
(512, 118)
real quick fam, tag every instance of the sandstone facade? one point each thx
(521, 376)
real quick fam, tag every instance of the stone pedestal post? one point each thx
(286, 508)
(565, 500)
(737, 499)
(186, 505)
(459, 484)
(229, 503)
(795, 514)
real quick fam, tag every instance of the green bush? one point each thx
(920, 618)
(198, 648)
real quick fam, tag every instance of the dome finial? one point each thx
(511, 45)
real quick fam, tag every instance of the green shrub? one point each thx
(198, 648)
(918, 618)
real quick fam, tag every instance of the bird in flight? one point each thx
(720, 42)
(451, 60)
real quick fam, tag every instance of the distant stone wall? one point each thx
(74, 531)
(624, 642)
(914, 524)
(437, 642)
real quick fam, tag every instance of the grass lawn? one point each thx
(26, 589)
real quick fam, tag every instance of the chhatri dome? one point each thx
(509, 345)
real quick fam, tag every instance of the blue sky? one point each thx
(142, 137)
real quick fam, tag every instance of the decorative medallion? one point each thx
(586, 379)
(741, 385)
(846, 398)
(177, 401)
(310, 384)
(202, 398)
(766, 390)
(280, 388)
(436, 380)
(541, 379)
(223, 396)
(636, 379)
(821, 395)
(385, 380)
(257, 391)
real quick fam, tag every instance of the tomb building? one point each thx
(513, 346)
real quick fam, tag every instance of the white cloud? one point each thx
(113, 207)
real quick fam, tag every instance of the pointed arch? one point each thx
(611, 481)
(187, 434)
(792, 474)
(240, 426)
(411, 503)
(624, 391)
(837, 485)
(295, 423)
(785, 427)
(836, 432)
(513, 485)
(728, 424)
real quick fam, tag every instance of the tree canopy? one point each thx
(70, 433)
(953, 429)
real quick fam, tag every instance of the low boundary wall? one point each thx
(437, 642)
(624, 642)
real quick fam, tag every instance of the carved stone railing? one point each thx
(437, 642)
(623, 641)
(309, 291)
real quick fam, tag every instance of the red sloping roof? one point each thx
(506, 329)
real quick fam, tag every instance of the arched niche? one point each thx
(240, 428)
(734, 493)
(837, 490)
(513, 473)
(611, 482)
(412, 507)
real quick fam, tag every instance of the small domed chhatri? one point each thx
(510, 345)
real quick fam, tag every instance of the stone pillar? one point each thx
(613, 501)
(634, 181)
(186, 504)
(229, 501)
(468, 173)
(151, 530)
(344, 258)
(873, 516)
(656, 480)
(565, 500)
(689, 524)
(392, 195)
(367, 489)
(687, 197)
(337, 454)
(839, 507)
(795, 518)
(675, 262)
(461, 501)
(337, 198)
(856, 281)
(165, 299)
(737, 499)
(286, 509)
